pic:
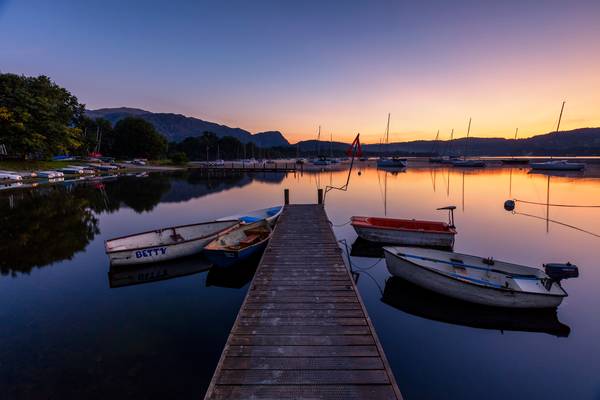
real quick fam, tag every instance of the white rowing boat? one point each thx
(10, 176)
(164, 244)
(478, 280)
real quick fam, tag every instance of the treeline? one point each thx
(39, 119)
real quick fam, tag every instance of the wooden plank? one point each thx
(305, 363)
(303, 313)
(295, 340)
(302, 330)
(302, 377)
(304, 392)
(303, 321)
(302, 351)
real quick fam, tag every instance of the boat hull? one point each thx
(226, 258)
(445, 285)
(468, 164)
(406, 238)
(159, 253)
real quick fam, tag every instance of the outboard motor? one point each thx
(557, 271)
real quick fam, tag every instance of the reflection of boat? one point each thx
(558, 165)
(133, 275)
(164, 244)
(515, 161)
(238, 243)
(365, 248)
(409, 232)
(415, 300)
(235, 277)
(270, 214)
(475, 279)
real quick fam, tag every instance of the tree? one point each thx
(38, 117)
(135, 137)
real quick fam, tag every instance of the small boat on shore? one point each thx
(238, 243)
(270, 214)
(558, 165)
(480, 280)
(50, 174)
(164, 244)
(71, 170)
(10, 176)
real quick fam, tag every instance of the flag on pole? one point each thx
(356, 143)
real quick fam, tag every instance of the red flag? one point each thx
(356, 143)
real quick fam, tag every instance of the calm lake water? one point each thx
(71, 327)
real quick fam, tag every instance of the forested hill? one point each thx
(176, 127)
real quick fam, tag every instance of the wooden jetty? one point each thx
(240, 166)
(303, 331)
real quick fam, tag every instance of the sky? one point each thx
(294, 65)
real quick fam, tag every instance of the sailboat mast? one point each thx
(387, 131)
(467, 138)
(516, 133)
(319, 141)
(331, 145)
(560, 116)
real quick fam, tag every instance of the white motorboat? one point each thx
(164, 244)
(480, 280)
(270, 214)
(558, 165)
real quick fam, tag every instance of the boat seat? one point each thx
(249, 239)
(177, 237)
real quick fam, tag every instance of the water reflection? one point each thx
(417, 301)
(121, 276)
(42, 227)
(234, 277)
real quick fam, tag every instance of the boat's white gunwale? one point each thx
(450, 231)
(234, 222)
(457, 278)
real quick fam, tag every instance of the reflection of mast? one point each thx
(385, 194)
(548, 203)
(463, 191)
(448, 185)
(510, 184)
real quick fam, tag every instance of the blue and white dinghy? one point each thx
(238, 243)
(164, 244)
(269, 214)
(480, 280)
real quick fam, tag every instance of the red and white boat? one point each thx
(407, 232)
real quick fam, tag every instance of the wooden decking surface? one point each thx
(302, 331)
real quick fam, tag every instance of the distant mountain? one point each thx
(176, 127)
(583, 141)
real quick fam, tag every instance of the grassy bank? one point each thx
(33, 165)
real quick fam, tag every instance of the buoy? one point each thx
(509, 205)
(359, 173)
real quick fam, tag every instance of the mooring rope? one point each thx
(557, 222)
(557, 205)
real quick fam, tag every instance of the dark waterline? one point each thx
(71, 327)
